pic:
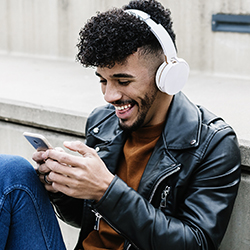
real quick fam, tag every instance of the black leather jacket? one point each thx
(186, 194)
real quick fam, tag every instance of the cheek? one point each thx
(147, 83)
(146, 89)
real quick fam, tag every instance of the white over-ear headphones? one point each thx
(172, 75)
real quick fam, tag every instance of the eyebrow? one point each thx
(123, 75)
(120, 75)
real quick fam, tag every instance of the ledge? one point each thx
(50, 118)
(245, 153)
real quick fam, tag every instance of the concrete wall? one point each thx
(237, 235)
(50, 28)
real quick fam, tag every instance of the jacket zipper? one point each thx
(160, 180)
(128, 247)
(164, 196)
(97, 223)
(97, 220)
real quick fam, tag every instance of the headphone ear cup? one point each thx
(171, 77)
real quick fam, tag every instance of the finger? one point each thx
(63, 158)
(37, 157)
(50, 188)
(42, 168)
(62, 188)
(59, 149)
(41, 178)
(46, 179)
(66, 186)
(47, 186)
(79, 147)
(60, 179)
(38, 171)
(61, 183)
(57, 167)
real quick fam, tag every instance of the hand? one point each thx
(84, 177)
(40, 168)
(43, 170)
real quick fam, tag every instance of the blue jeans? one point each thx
(27, 219)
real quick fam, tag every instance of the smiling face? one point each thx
(130, 88)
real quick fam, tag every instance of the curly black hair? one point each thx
(110, 37)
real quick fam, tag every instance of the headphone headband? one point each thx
(160, 33)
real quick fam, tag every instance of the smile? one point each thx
(120, 108)
(124, 111)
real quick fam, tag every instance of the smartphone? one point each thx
(39, 142)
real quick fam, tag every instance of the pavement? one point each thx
(61, 94)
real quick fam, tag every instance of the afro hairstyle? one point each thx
(110, 37)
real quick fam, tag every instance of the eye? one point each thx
(124, 82)
(102, 81)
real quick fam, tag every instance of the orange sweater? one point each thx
(136, 153)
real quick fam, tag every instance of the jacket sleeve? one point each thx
(203, 203)
(68, 209)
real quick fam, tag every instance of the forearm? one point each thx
(150, 228)
(142, 224)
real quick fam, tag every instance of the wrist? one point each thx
(105, 185)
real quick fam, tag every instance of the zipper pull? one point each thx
(164, 196)
(97, 220)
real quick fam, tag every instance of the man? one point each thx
(157, 172)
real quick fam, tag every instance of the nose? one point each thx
(111, 92)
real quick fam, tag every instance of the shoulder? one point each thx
(100, 114)
(193, 130)
(102, 125)
(218, 140)
(214, 126)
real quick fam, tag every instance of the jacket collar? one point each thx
(183, 124)
(182, 129)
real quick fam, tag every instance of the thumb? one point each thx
(59, 149)
(78, 146)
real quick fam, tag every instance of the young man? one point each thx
(157, 172)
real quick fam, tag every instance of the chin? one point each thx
(124, 125)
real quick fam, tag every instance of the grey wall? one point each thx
(49, 28)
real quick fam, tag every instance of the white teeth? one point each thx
(123, 107)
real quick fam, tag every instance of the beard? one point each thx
(145, 105)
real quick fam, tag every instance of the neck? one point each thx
(162, 104)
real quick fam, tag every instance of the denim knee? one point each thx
(16, 170)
